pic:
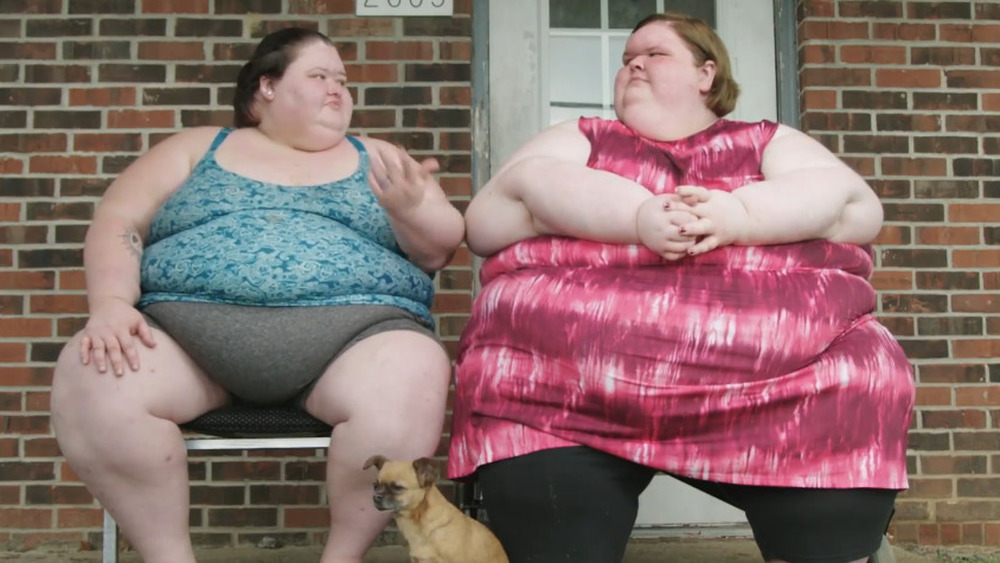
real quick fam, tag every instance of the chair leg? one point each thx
(110, 547)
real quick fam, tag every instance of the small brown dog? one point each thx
(435, 529)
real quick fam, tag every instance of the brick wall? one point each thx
(909, 93)
(88, 85)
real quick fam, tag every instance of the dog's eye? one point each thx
(396, 487)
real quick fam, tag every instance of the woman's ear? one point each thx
(707, 77)
(266, 88)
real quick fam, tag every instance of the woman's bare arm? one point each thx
(808, 193)
(546, 188)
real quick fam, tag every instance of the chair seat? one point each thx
(251, 421)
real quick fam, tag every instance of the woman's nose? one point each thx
(636, 62)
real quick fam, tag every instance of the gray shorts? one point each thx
(272, 355)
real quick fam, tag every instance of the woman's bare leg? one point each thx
(385, 395)
(120, 435)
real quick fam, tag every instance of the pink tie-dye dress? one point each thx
(752, 365)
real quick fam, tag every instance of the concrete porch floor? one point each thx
(641, 550)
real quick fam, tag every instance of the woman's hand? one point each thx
(398, 181)
(721, 217)
(659, 226)
(111, 334)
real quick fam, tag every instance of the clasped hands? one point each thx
(692, 221)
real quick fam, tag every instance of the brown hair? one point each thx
(705, 45)
(274, 53)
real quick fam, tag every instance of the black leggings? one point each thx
(578, 504)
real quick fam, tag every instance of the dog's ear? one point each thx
(427, 471)
(377, 460)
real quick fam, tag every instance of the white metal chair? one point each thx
(240, 427)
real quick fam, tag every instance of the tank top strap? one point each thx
(362, 155)
(219, 137)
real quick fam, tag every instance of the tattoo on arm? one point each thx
(133, 242)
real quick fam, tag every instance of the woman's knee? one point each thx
(391, 388)
(70, 378)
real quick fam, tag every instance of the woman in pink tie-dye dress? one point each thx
(695, 301)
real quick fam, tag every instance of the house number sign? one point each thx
(404, 7)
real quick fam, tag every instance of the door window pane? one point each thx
(697, 8)
(616, 47)
(574, 76)
(624, 14)
(575, 13)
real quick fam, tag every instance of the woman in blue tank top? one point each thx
(279, 261)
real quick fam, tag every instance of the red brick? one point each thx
(9, 448)
(991, 533)
(9, 213)
(897, 166)
(973, 212)
(360, 73)
(933, 396)
(323, 7)
(991, 102)
(976, 258)
(972, 534)
(72, 280)
(11, 166)
(13, 352)
(140, 119)
(905, 31)
(976, 349)
(23, 376)
(926, 488)
(873, 54)
(58, 303)
(818, 54)
(977, 79)
(63, 165)
(817, 8)
(908, 78)
(79, 518)
(25, 328)
(951, 534)
(175, 6)
(399, 50)
(107, 142)
(172, 50)
(19, 518)
(27, 280)
(986, 395)
(949, 236)
(456, 50)
(820, 99)
(455, 96)
(306, 518)
(111, 96)
(43, 447)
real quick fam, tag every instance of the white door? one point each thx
(552, 60)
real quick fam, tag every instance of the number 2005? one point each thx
(404, 7)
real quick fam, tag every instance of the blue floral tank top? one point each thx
(225, 238)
